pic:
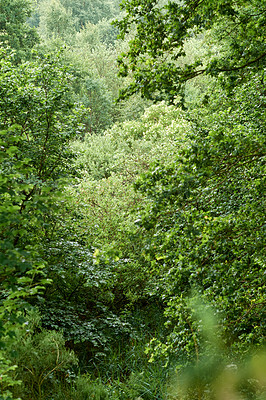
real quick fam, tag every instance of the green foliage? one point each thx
(34, 99)
(77, 14)
(87, 389)
(92, 288)
(112, 162)
(130, 147)
(79, 300)
(41, 362)
(97, 98)
(108, 33)
(15, 33)
(204, 223)
(162, 31)
(92, 10)
(209, 380)
(94, 63)
(7, 381)
(127, 267)
(217, 375)
(149, 384)
(55, 21)
(37, 122)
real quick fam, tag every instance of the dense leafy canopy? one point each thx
(206, 219)
(75, 13)
(14, 32)
(91, 10)
(37, 123)
(156, 54)
(132, 242)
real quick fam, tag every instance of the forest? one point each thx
(132, 200)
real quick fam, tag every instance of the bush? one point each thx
(44, 365)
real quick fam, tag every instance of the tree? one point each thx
(95, 95)
(91, 10)
(37, 122)
(204, 225)
(162, 29)
(14, 31)
(56, 22)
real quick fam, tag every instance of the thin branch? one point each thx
(261, 304)
(194, 339)
(242, 66)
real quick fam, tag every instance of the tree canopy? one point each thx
(204, 224)
(14, 31)
(132, 259)
(156, 54)
(37, 122)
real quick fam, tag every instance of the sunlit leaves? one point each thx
(15, 33)
(155, 55)
(37, 122)
(205, 219)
